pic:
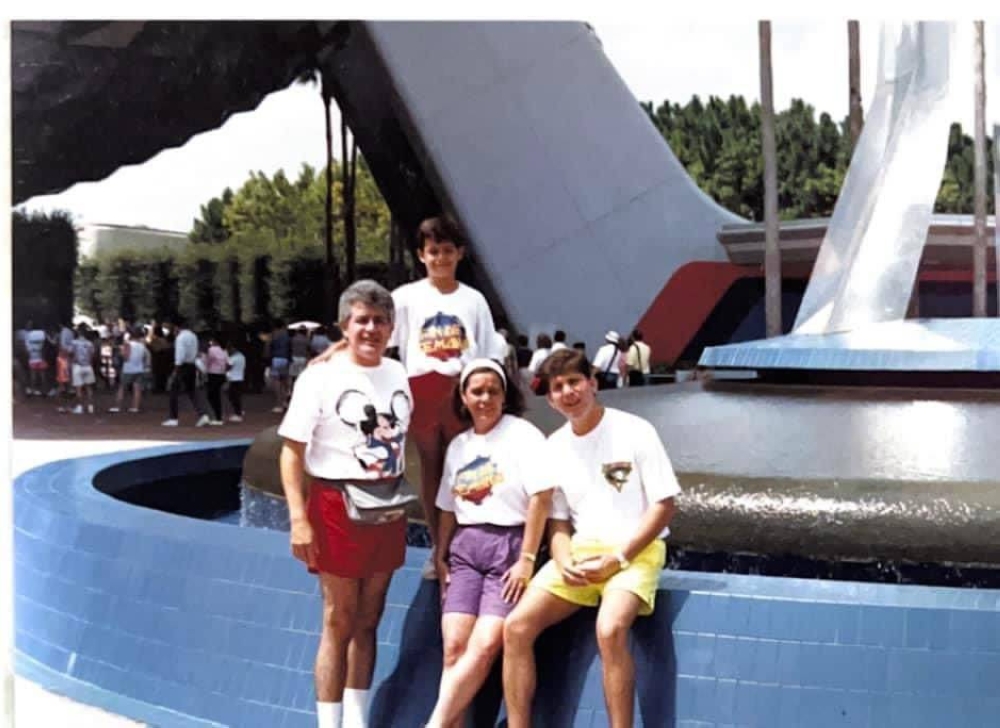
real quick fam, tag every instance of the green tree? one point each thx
(211, 226)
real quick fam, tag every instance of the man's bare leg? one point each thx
(362, 648)
(341, 597)
(537, 611)
(615, 617)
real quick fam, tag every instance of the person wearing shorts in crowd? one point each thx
(301, 354)
(347, 421)
(280, 352)
(495, 496)
(34, 342)
(83, 371)
(136, 363)
(611, 511)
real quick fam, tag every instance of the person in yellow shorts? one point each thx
(611, 510)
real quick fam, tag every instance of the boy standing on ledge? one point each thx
(441, 325)
(610, 510)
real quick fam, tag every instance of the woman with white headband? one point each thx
(495, 496)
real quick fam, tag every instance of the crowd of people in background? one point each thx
(69, 363)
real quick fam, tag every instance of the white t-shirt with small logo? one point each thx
(353, 418)
(607, 478)
(490, 478)
(440, 332)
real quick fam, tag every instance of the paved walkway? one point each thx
(42, 434)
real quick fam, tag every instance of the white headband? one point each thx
(482, 364)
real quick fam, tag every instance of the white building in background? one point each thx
(99, 238)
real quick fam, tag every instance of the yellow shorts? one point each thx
(640, 578)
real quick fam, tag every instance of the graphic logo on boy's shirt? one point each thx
(616, 474)
(443, 336)
(475, 481)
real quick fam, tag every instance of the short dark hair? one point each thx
(559, 335)
(440, 229)
(513, 397)
(558, 363)
(542, 341)
(636, 335)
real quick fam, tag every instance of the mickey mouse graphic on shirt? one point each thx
(379, 448)
(475, 481)
(443, 336)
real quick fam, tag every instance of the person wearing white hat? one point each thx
(607, 361)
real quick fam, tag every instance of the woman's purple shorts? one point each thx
(477, 558)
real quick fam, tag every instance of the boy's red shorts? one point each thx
(349, 549)
(433, 423)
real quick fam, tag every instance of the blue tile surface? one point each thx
(182, 623)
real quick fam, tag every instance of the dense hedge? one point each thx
(44, 257)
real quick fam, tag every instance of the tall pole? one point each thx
(772, 254)
(996, 209)
(855, 114)
(979, 180)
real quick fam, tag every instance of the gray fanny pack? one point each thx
(378, 502)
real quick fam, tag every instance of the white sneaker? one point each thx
(202, 421)
(235, 418)
(132, 409)
(169, 423)
(215, 423)
(78, 410)
(278, 410)
(429, 571)
(90, 409)
(114, 409)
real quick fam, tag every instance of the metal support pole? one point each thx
(772, 253)
(979, 180)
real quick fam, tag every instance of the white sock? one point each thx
(355, 708)
(328, 715)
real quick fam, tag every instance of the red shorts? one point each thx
(433, 424)
(38, 365)
(349, 549)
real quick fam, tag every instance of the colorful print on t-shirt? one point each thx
(474, 482)
(379, 448)
(443, 337)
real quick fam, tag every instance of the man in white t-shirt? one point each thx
(608, 361)
(611, 511)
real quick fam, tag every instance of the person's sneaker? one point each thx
(202, 421)
(215, 423)
(429, 571)
(235, 418)
(78, 410)
(114, 409)
(90, 409)
(132, 409)
(169, 423)
(278, 410)
(53, 392)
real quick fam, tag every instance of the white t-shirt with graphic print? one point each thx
(353, 418)
(607, 478)
(440, 332)
(490, 478)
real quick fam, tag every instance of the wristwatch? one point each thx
(623, 563)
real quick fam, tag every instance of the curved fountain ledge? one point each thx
(181, 622)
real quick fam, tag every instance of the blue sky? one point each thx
(657, 57)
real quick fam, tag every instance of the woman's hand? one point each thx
(597, 569)
(516, 579)
(303, 540)
(444, 577)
